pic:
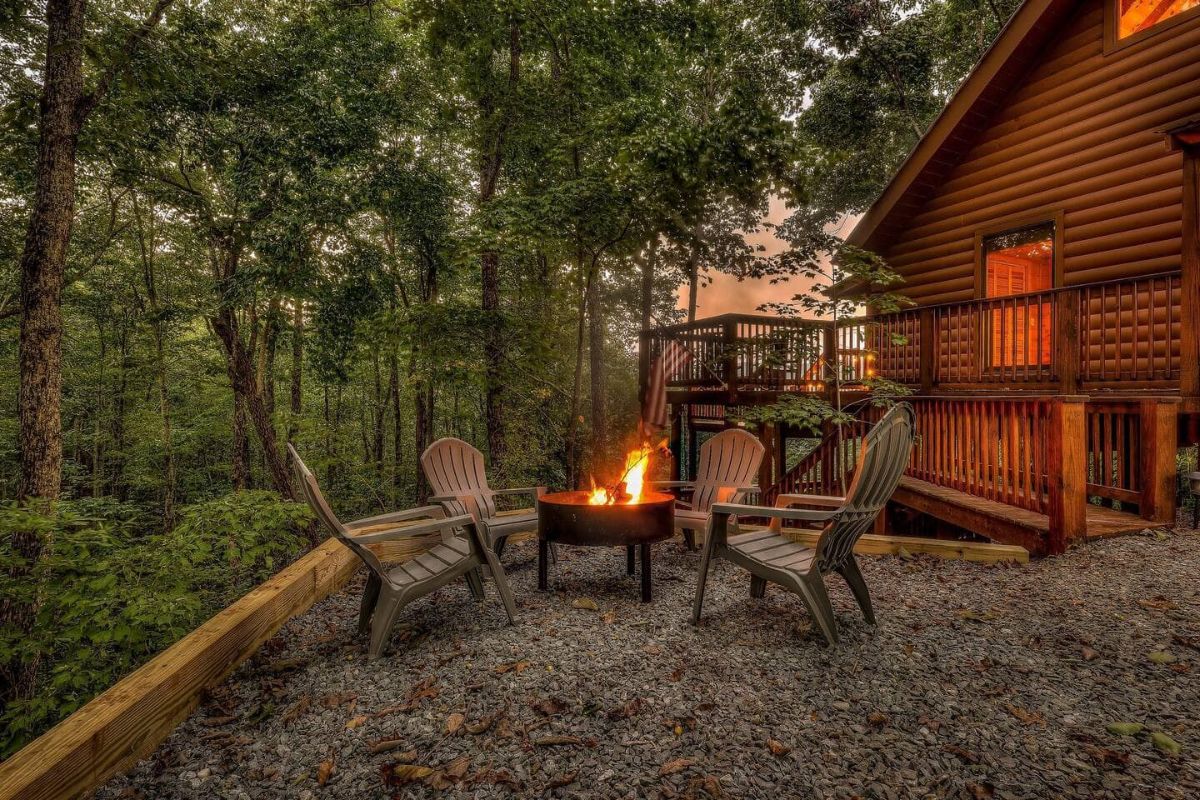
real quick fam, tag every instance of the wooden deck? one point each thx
(1004, 523)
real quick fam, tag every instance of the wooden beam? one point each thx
(1066, 473)
(1158, 418)
(1066, 349)
(875, 545)
(130, 719)
(1189, 308)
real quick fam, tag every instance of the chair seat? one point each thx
(698, 519)
(514, 522)
(430, 564)
(773, 550)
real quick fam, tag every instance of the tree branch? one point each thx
(88, 102)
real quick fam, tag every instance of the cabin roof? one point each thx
(958, 125)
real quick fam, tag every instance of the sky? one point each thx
(725, 294)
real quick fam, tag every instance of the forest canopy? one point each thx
(357, 227)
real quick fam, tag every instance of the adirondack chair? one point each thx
(771, 556)
(388, 590)
(455, 471)
(727, 465)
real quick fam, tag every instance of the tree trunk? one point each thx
(241, 372)
(393, 392)
(693, 271)
(296, 398)
(98, 416)
(44, 259)
(239, 470)
(117, 484)
(595, 311)
(576, 389)
(649, 266)
(493, 345)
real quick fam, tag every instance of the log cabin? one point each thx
(1047, 229)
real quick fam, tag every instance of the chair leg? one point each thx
(701, 578)
(854, 579)
(386, 610)
(758, 587)
(475, 583)
(812, 591)
(498, 547)
(369, 598)
(689, 538)
(501, 582)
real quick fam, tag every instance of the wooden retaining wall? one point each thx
(130, 719)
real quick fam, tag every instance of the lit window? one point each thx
(1019, 262)
(1135, 16)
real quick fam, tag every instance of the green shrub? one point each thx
(111, 596)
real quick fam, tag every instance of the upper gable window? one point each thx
(1135, 16)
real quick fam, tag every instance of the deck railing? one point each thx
(1118, 334)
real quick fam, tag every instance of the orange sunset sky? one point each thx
(725, 294)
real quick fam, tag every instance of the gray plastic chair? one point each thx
(725, 471)
(456, 472)
(388, 590)
(771, 556)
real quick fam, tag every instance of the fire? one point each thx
(629, 489)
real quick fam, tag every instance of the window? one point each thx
(1135, 16)
(1019, 262)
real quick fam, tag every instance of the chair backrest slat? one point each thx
(454, 467)
(316, 501)
(882, 460)
(727, 461)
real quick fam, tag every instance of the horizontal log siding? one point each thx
(1082, 133)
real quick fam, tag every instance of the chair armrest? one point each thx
(535, 491)
(439, 524)
(672, 484)
(434, 512)
(822, 501)
(731, 509)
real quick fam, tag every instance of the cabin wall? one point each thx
(1080, 135)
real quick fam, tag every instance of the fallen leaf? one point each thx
(512, 666)
(627, 710)
(338, 699)
(457, 769)
(298, 709)
(777, 747)
(1103, 755)
(1089, 654)
(485, 722)
(285, 665)
(558, 741)
(354, 723)
(585, 603)
(608, 618)
(675, 765)
(387, 745)
(1026, 716)
(401, 774)
(961, 752)
(904, 553)
(1186, 641)
(1161, 657)
(550, 706)
(1125, 728)
(496, 777)
(973, 616)
(878, 719)
(324, 771)
(981, 791)
(712, 785)
(454, 723)
(677, 675)
(1158, 603)
(1165, 743)
(559, 781)
(652, 650)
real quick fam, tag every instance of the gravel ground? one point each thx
(979, 681)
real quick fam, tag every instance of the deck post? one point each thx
(643, 366)
(1066, 472)
(928, 351)
(1189, 343)
(729, 360)
(1066, 350)
(1158, 427)
(768, 434)
(829, 357)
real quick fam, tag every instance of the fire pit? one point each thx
(576, 518)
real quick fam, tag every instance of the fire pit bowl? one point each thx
(568, 518)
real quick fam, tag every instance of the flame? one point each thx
(629, 488)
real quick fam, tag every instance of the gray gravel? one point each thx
(979, 681)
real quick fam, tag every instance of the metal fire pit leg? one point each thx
(645, 571)
(543, 564)
(629, 559)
